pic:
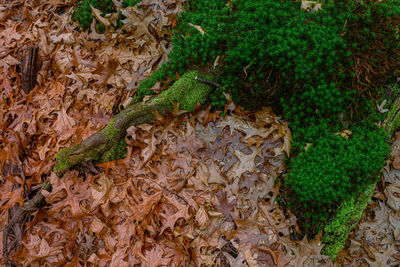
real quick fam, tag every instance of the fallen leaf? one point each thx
(97, 14)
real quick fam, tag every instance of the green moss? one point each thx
(348, 214)
(187, 91)
(332, 169)
(110, 131)
(118, 151)
(62, 161)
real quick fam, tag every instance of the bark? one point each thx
(105, 144)
(30, 69)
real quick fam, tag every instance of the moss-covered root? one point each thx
(346, 218)
(392, 122)
(106, 145)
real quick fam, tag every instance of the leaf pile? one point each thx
(83, 79)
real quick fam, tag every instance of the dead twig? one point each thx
(202, 80)
(19, 214)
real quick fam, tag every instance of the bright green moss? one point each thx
(110, 131)
(187, 91)
(62, 161)
(346, 218)
(328, 173)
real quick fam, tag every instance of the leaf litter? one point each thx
(193, 190)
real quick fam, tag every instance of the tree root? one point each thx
(105, 145)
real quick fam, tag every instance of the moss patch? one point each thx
(62, 161)
(118, 151)
(110, 131)
(187, 91)
(346, 218)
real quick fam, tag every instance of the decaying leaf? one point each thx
(97, 15)
(202, 218)
(392, 193)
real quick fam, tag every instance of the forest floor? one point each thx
(193, 189)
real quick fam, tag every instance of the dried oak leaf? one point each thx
(392, 193)
(156, 257)
(395, 153)
(278, 256)
(64, 125)
(68, 193)
(224, 206)
(8, 199)
(144, 207)
(118, 257)
(97, 15)
(381, 259)
(202, 218)
(137, 21)
(245, 163)
(39, 248)
(101, 190)
(182, 211)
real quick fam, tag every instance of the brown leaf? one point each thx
(97, 14)
(8, 199)
(64, 124)
(202, 218)
(68, 193)
(392, 193)
(101, 190)
(224, 206)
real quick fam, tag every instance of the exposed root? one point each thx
(101, 146)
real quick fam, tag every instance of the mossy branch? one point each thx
(101, 146)
(392, 122)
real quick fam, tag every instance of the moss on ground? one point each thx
(109, 144)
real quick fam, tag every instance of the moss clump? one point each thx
(327, 174)
(187, 91)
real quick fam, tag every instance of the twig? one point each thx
(207, 81)
(28, 207)
(216, 227)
